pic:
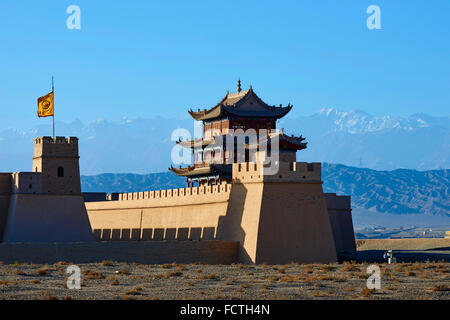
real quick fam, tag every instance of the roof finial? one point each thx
(239, 85)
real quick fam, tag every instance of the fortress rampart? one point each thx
(181, 214)
(275, 218)
(303, 172)
(45, 205)
(266, 214)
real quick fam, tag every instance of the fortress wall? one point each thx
(5, 195)
(153, 252)
(26, 182)
(287, 172)
(279, 218)
(60, 147)
(241, 222)
(47, 218)
(340, 213)
(294, 217)
(276, 219)
(5, 183)
(186, 213)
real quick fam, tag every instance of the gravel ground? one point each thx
(113, 280)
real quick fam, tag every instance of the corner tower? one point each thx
(58, 162)
(46, 205)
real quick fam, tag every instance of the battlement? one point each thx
(57, 140)
(26, 183)
(59, 147)
(339, 203)
(281, 172)
(173, 193)
(57, 160)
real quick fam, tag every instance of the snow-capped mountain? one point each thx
(353, 138)
(356, 121)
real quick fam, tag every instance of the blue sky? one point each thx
(147, 58)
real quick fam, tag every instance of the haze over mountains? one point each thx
(399, 192)
(353, 138)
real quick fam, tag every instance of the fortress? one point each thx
(274, 217)
(45, 205)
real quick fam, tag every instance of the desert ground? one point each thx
(114, 280)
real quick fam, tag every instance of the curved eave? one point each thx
(190, 171)
(273, 112)
(228, 106)
(223, 170)
(196, 143)
(290, 145)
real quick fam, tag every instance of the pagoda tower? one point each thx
(236, 112)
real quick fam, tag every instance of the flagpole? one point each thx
(53, 109)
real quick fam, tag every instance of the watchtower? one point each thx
(58, 161)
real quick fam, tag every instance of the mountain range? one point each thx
(395, 168)
(352, 138)
(402, 197)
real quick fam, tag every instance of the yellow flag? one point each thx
(45, 105)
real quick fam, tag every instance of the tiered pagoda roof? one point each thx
(241, 110)
(285, 140)
(235, 105)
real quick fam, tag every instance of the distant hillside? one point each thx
(396, 192)
(400, 191)
(127, 182)
(353, 138)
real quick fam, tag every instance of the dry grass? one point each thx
(48, 297)
(123, 272)
(107, 263)
(170, 274)
(135, 291)
(88, 274)
(327, 268)
(312, 281)
(440, 287)
(350, 267)
(211, 276)
(366, 292)
(349, 289)
(18, 272)
(42, 271)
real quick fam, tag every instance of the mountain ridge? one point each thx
(353, 138)
(400, 192)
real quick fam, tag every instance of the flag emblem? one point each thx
(45, 105)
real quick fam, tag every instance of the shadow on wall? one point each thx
(229, 228)
(157, 234)
(230, 225)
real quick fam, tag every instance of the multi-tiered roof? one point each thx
(234, 105)
(241, 110)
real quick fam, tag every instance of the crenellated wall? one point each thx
(303, 172)
(182, 214)
(276, 218)
(59, 159)
(45, 205)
